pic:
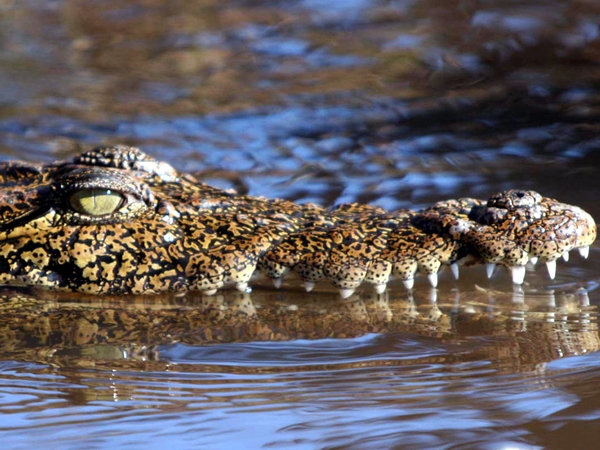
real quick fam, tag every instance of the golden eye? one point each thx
(96, 202)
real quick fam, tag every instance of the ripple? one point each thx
(374, 391)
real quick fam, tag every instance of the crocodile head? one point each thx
(114, 220)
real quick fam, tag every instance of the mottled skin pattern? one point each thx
(169, 232)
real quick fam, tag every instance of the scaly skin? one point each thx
(166, 231)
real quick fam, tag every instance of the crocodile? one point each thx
(113, 220)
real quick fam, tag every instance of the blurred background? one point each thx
(399, 103)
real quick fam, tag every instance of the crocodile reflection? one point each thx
(521, 331)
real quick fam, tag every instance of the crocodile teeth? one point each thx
(242, 287)
(584, 252)
(433, 279)
(454, 269)
(518, 274)
(309, 286)
(532, 262)
(380, 288)
(489, 269)
(551, 266)
(209, 292)
(565, 256)
(345, 293)
(277, 282)
(408, 284)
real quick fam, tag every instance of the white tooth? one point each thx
(380, 288)
(489, 269)
(551, 266)
(454, 269)
(209, 292)
(565, 256)
(309, 286)
(242, 287)
(584, 251)
(345, 293)
(408, 284)
(533, 260)
(518, 274)
(277, 282)
(433, 279)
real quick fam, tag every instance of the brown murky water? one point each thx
(397, 103)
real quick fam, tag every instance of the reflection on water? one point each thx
(398, 103)
(278, 368)
(137, 329)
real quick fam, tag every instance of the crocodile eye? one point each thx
(96, 202)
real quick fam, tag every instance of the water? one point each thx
(288, 370)
(396, 103)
